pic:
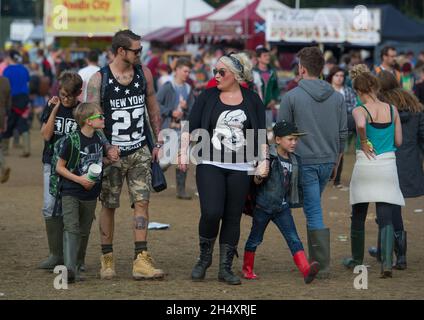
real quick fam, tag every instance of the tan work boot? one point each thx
(143, 268)
(107, 272)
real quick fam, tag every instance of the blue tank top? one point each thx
(381, 135)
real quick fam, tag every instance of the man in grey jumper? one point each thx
(320, 111)
(176, 99)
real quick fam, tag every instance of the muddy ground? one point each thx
(23, 245)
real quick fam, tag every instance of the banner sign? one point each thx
(216, 27)
(85, 18)
(360, 26)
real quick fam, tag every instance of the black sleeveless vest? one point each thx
(124, 108)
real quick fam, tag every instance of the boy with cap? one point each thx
(276, 193)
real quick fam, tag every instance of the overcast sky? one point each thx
(149, 15)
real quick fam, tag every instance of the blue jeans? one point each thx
(314, 179)
(285, 223)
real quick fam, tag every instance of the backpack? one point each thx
(55, 186)
(55, 178)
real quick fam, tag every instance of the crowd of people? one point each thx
(101, 114)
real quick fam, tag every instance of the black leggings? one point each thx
(386, 214)
(222, 194)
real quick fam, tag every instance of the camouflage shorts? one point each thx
(136, 169)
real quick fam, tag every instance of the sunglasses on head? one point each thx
(136, 51)
(220, 71)
(96, 116)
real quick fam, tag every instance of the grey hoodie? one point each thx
(317, 109)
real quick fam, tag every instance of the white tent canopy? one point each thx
(149, 15)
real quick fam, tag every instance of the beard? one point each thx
(132, 62)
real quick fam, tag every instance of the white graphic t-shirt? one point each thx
(228, 134)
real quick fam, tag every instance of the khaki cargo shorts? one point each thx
(136, 168)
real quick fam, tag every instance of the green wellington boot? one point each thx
(82, 252)
(71, 244)
(387, 239)
(54, 229)
(319, 250)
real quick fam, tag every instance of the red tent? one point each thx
(166, 35)
(238, 20)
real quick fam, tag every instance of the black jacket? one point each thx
(271, 193)
(409, 158)
(200, 115)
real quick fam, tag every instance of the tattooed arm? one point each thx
(94, 96)
(94, 88)
(152, 104)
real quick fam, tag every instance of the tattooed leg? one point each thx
(141, 220)
(140, 223)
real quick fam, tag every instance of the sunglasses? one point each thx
(136, 51)
(96, 116)
(220, 71)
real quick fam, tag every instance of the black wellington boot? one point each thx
(400, 250)
(357, 238)
(181, 178)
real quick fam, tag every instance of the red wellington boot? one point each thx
(249, 259)
(309, 271)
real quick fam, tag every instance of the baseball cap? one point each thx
(284, 128)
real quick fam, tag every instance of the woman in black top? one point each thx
(224, 116)
(409, 156)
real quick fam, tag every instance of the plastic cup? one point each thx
(94, 171)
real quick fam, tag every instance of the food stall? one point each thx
(78, 26)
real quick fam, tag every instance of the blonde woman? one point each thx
(226, 112)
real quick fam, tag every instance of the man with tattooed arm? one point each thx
(125, 91)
